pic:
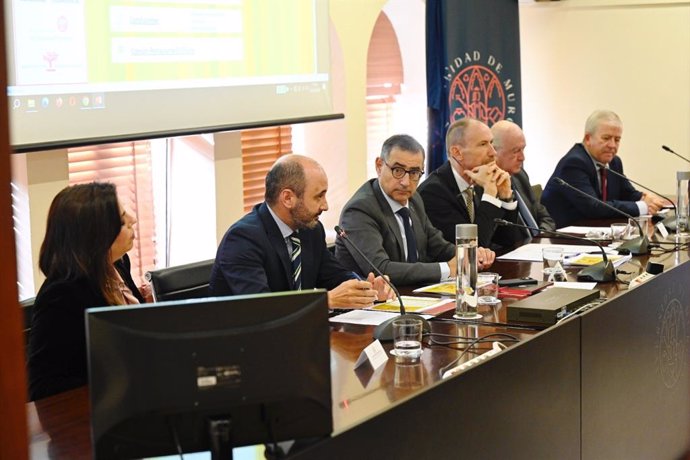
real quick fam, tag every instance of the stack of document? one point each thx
(532, 252)
(586, 259)
(426, 305)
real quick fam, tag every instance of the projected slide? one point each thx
(80, 54)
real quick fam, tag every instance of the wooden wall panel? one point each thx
(13, 431)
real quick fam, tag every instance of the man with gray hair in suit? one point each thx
(585, 167)
(509, 143)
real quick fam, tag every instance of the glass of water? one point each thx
(552, 257)
(407, 339)
(487, 288)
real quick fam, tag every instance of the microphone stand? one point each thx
(601, 272)
(636, 246)
(669, 150)
(669, 222)
(384, 331)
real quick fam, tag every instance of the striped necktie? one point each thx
(296, 260)
(468, 195)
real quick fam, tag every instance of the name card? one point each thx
(662, 229)
(374, 354)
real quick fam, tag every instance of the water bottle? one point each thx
(682, 204)
(466, 281)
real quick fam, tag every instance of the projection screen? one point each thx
(90, 71)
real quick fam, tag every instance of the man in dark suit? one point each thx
(386, 219)
(280, 245)
(470, 171)
(509, 142)
(580, 167)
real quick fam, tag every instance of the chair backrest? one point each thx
(536, 189)
(189, 281)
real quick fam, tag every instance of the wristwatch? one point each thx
(510, 199)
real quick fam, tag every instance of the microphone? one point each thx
(636, 246)
(601, 272)
(669, 222)
(669, 150)
(383, 331)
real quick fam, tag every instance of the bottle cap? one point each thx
(682, 175)
(465, 231)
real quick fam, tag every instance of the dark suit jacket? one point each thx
(522, 185)
(253, 258)
(576, 168)
(370, 224)
(508, 237)
(446, 207)
(57, 341)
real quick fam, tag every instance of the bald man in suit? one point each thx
(256, 253)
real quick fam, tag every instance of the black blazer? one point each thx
(568, 207)
(522, 185)
(57, 341)
(252, 257)
(446, 207)
(508, 237)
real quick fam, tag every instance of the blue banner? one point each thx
(473, 66)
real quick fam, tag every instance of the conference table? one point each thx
(612, 382)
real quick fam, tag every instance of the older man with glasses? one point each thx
(469, 187)
(386, 219)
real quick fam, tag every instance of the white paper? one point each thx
(576, 230)
(367, 317)
(532, 252)
(573, 285)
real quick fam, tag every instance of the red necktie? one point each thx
(602, 171)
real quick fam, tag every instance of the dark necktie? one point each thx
(525, 215)
(296, 260)
(409, 235)
(602, 173)
(468, 195)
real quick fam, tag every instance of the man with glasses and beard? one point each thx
(386, 219)
(280, 245)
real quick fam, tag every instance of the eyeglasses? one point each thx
(399, 172)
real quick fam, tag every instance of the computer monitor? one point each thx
(258, 365)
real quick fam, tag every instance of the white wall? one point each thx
(632, 57)
(407, 17)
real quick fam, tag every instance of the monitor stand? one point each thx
(219, 430)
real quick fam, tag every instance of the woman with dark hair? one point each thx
(84, 258)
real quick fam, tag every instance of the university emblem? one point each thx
(477, 90)
(672, 345)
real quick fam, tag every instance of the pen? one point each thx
(357, 277)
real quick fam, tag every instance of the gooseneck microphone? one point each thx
(669, 150)
(601, 272)
(383, 331)
(669, 221)
(636, 246)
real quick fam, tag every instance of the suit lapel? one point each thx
(277, 241)
(445, 173)
(526, 195)
(389, 217)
